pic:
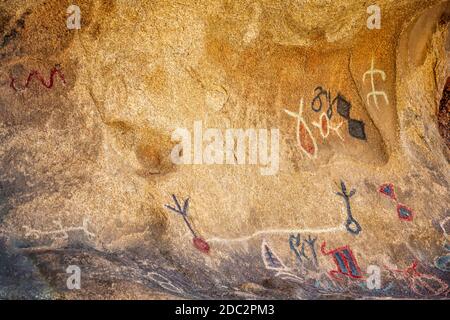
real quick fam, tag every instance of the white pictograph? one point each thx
(278, 231)
(267, 232)
(274, 263)
(163, 282)
(374, 93)
(444, 227)
(305, 139)
(60, 233)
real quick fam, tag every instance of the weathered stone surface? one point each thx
(86, 169)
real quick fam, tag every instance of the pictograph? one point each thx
(325, 127)
(34, 74)
(301, 255)
(305, 139)
(198, 242)
(404, 213)
(351, 224)
(345, 262)
(374, 94)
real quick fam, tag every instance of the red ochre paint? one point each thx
(411, 270)
(306, 141)
(35, 74)
(388, 190)
(198, 242)
(345, 262)
(420, 282)
(404, 213)
(201, 244)
(324, 124)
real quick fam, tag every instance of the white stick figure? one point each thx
(374, 93)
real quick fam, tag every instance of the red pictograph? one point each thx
(199, 243)
(345, 262)
(34, 74)
(404, 213)
(420, 283)
(305, 139)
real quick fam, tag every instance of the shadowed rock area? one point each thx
(118, 155)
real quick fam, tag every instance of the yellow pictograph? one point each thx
(374, 93)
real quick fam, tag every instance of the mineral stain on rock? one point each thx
(444, 114)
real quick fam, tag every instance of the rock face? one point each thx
(119, 160)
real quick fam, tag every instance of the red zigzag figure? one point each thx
(35, 74)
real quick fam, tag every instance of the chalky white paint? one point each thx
(374, 93)
(301, 121)
(62, 231)
(278, 231)
(329, 126)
